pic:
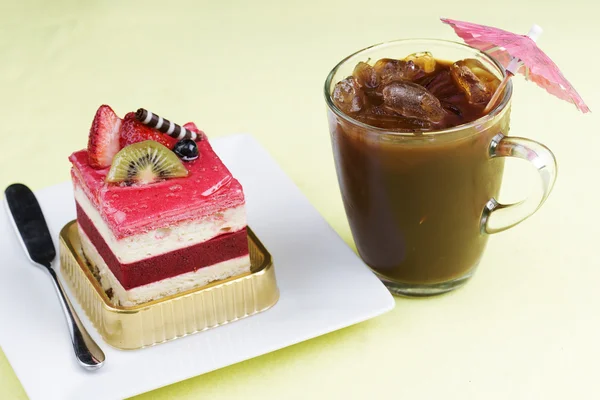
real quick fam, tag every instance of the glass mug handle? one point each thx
(498, 217)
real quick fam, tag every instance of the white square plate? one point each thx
(324, 287)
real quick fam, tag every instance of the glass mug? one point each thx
(422, 206)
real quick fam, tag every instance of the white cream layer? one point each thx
(165, 287)
(160, 241)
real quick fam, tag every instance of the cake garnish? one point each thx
(144, 163)
(186, 149)
(133, 131)
(103, 142)
(165, 126)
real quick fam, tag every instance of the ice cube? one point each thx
(481, 71)
(385, 118)
(380, 111)
(424, 60)
(348, 96)
(475, 80)
(390, 70)
(441, 85)
(412, 100)
(365, 75)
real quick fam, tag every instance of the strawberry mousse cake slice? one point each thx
(156, 215)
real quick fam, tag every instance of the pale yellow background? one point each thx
(526, 326)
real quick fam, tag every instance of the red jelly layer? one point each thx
(216, 250)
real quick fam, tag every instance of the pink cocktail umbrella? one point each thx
(518, 53)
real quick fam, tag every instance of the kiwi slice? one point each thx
(145, 162)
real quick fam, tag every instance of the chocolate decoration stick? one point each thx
(164, 125)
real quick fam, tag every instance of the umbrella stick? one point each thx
(497, 93)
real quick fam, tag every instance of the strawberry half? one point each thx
(133, 131)
(103, 142)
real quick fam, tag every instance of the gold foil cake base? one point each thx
(171, 317)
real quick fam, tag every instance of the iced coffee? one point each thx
(414, 200)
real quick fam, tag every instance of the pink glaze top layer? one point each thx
(130, 210)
